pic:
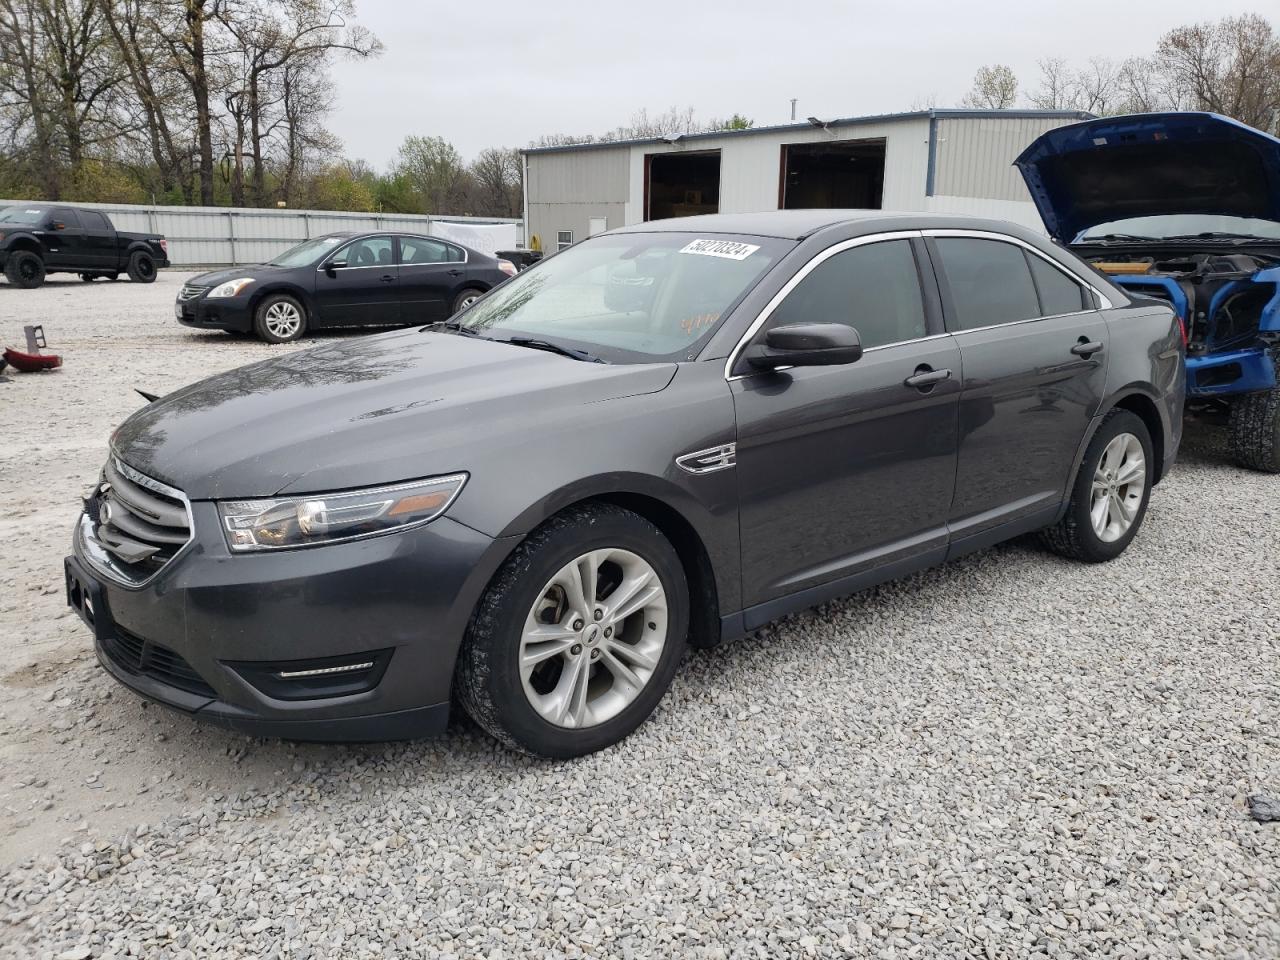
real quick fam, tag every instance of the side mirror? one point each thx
(806, 345)
(333, 265)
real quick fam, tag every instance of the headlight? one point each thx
(280, 523)
(231, 288)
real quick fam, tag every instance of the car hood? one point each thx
(257, 271)
(1151, 164)
(364, 411)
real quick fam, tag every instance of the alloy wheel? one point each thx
(1119, 484)
(283, 319)
(593, 638)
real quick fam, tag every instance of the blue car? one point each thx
(1183, 207)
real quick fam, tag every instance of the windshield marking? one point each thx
(726, 249)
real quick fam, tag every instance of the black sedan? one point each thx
(342, 280)
(666, 435)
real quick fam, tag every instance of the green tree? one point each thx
(432, 170)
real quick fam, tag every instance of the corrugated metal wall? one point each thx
(215, 236)
(975, 156)
(566, 189)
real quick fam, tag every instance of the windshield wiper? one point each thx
(454, 326)
(550, 347)
(1112, 237)
(1216, 235)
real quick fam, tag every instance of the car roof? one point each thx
(798, 224)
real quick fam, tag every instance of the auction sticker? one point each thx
(725, 249)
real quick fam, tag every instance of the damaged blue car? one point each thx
(1183, 207)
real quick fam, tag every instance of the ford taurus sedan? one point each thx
(669, 434)
(342, 280)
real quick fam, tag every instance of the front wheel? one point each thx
(578, 636)
(1110, 494)
(142, 268)
(24, 269)
(279, 319)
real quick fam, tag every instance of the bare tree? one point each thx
(994, 88)
(1231, 66)
(496, 173)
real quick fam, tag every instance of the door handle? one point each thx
(455, 273)
(925, 378)
(1087, 348)
(387, 278)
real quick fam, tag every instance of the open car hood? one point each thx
(1151, 164)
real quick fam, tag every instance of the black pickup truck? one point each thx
(39, 238)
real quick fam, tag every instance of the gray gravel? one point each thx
(1012, 756)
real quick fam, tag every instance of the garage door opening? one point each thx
(681, 184)
(842, 174)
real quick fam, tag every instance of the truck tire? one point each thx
(1110, 494)
(142, 269)
(24, 269)
(1255, 430)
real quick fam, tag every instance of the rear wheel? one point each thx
(142, 268)
(578, 636)
(1110, 494)
(279, 319)
(89, 277)
(24, 269)
(465, 299)
(1255, 430)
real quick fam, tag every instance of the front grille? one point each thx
(158, 662)
(140, 523)
(190, 291)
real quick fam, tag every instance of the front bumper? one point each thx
(1230, 372)
(223, 313)
(200, 635)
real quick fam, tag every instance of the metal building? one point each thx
(949, 161)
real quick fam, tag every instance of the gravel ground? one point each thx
(1014, 755)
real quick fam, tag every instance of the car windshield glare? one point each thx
(307, 252)
(629, 297)
(1183, 225)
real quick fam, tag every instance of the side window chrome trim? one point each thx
(433, 263)
(791, 284)
(1103, 299)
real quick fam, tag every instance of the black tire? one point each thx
(1073, 536)
(466, 298)
(262, 320)
(89, 277)
(142, 268)
(1255, 429)
(24, 269)
(487, 680)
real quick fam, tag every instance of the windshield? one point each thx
(630, 296)
(307, 252)
(23, 214)
(1183, 225)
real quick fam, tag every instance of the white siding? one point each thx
(975, 156)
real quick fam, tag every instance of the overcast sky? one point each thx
(495, 73)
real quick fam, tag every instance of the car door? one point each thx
(99, 240)
(1033, 346)
(430, 270)
(356, 285)
(847, 471)
(64, 239)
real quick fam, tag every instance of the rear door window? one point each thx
(1059, 294)
(990, 282)
(415, 250)
(94, 220)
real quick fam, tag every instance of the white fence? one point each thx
(217, 236)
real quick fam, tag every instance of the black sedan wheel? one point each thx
(280, 319)
(577, 638)
(24, 269)
(465, 299)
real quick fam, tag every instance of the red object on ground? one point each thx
(32, 362)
